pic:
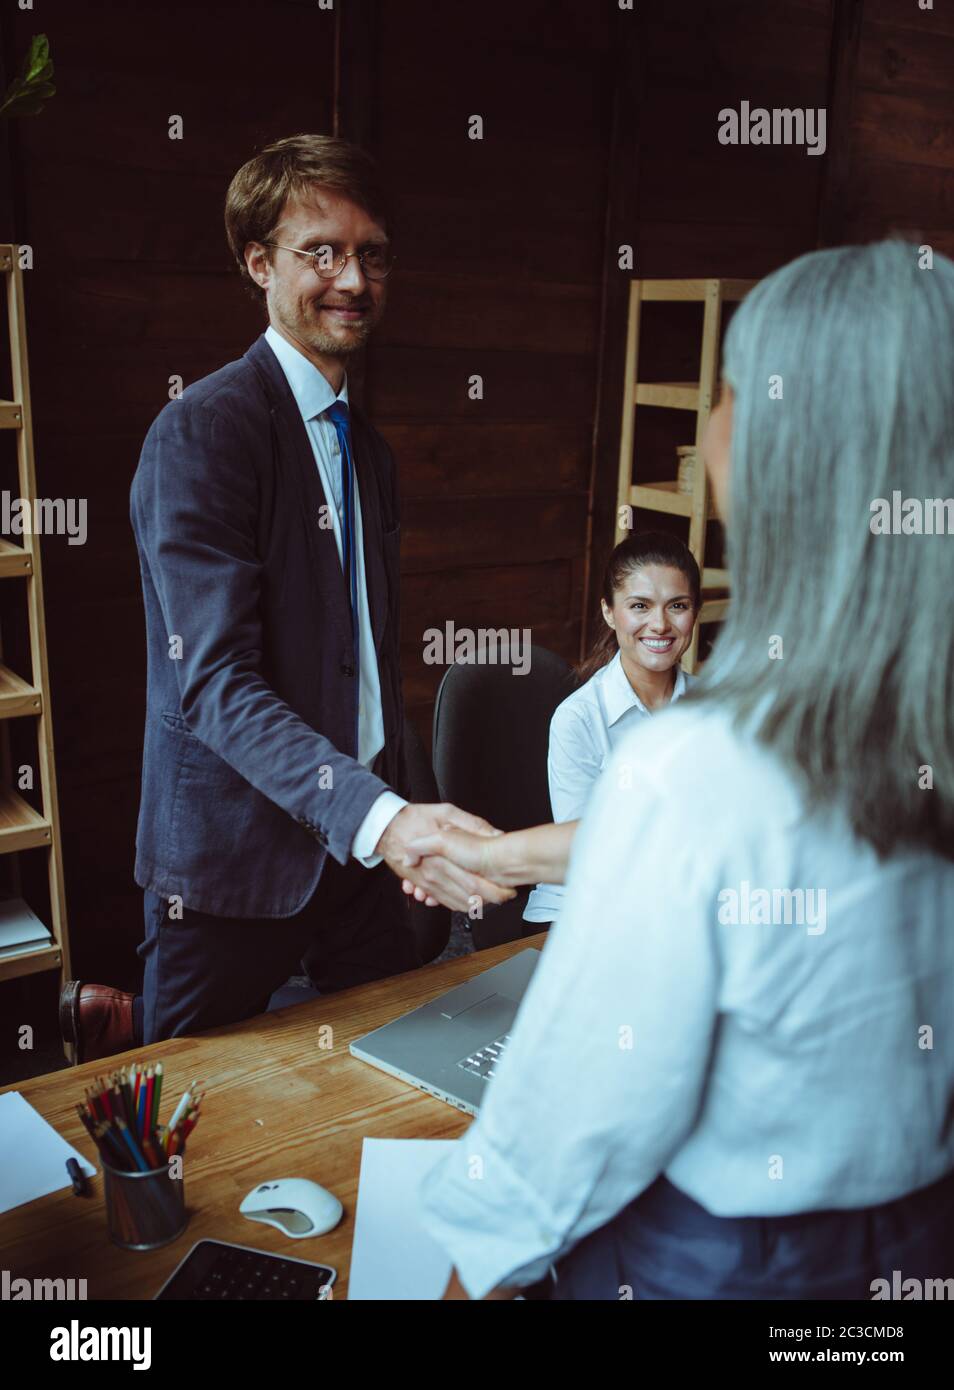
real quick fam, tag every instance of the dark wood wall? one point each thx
(599, 129)
(692, 207)
(501, 254)
(132, 285)
(901, 151)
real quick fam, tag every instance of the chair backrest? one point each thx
(491, 734)
(431, 925)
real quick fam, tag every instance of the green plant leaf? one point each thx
(37, 59)
(27, 93)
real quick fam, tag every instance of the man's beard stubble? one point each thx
(329, 344)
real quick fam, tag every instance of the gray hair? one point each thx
(862, 698)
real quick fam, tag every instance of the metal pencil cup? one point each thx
(144, 1210)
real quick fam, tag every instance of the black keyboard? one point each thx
(216, 1272)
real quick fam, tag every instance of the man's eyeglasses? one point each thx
(328, 262)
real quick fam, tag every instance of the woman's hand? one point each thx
(467, 850)
(464, 848)
(537, 855)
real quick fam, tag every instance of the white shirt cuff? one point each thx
(373, 827)
(545, 903)
(495, 1231)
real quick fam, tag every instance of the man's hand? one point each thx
(435, 878)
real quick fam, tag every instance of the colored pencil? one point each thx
(150, 1088)
(127, 1096)
(134, 1149)
(188, 1127)
(121, 1116)
(110, 1146)
(154, 1122)
(141, 1108)
(180, 1109)
(149, 1149)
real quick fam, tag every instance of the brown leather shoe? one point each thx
(96, 1019)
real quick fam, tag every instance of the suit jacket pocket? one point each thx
(198, 757)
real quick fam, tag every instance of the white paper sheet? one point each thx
(32, 1155)
(392, 1256)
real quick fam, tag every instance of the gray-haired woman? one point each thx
(733, 1073)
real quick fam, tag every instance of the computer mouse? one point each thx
(296, 1206)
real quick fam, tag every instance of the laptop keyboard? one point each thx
(483, 1062)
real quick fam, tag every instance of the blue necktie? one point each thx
(339, 417)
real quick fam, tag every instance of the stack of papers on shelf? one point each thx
(20, 929)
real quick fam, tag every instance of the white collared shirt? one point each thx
(799, 1063)
(584, 730)
(313, 395)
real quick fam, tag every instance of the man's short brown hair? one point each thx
(258, 192)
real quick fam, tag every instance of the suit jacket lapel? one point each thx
(295, 448)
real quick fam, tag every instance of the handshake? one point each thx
(445, 855)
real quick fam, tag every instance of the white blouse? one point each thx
(584, 730)
(738, 993)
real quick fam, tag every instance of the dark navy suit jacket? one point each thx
(250, 701)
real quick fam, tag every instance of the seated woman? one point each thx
(650, 603)
(732, 1075)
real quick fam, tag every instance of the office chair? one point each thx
(491, 733)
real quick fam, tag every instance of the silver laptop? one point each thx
(450, 1046)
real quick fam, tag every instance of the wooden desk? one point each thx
(277, 1105)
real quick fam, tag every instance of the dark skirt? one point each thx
(665, 1245)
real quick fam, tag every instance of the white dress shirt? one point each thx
(766, 1069)
(584, 730)
(313, 395)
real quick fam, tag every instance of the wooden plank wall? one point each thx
(901, 155)
(500, 242)
(695, 207)
(133, 283)
(502, 274)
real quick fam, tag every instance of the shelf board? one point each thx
(20, 826)
(671, 395)
(11, 415)
(47, 957)
(674, 291)
(661, 497)
(17, 697)
(15, 562)
(715, 578)
(714, 610)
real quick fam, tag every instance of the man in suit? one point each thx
(273, 824)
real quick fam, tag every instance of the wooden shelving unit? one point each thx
(694, 397)
(22, 827)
